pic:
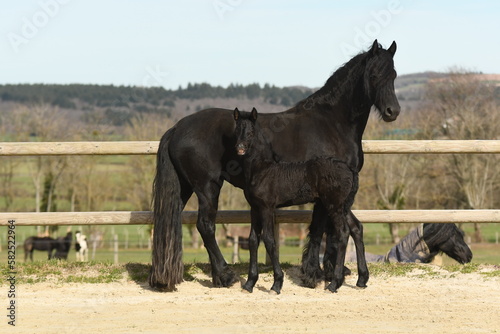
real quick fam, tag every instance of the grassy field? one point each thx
(483, 254)
(104, 271)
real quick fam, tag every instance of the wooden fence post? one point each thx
(236, 249)
(115, 242)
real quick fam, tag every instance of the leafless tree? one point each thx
(467, 109)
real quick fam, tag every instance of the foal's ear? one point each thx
(374, 49)
(254, 114)
(236, 114)
(392, 48)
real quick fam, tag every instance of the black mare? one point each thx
(272, 184)
(197, 155)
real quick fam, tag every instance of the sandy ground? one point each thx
(449, 303)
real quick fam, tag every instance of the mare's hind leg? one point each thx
(340, 237)
(356, 230)
(253, 246)
(207, 211)
(311, 271)
(270, 243)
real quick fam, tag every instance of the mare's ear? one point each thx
(254, 114)
(392, 48)
(236, 114)
(374, 49)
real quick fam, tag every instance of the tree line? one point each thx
(72, 95)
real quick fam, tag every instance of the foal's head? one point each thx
(245, 130)
(449, 239)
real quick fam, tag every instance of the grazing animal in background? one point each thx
(81, 247)
(422, 244)
(63, 246)
(272, 184)
(31, 244)
(197, 155)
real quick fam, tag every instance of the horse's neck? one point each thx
(260, 157)
(345, 95)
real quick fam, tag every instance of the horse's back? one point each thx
(203, 145)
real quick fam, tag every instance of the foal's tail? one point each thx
(167, 268)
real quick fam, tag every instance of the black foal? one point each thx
(272, 184)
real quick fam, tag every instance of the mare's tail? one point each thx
(167, 268)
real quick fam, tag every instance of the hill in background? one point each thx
(116, 105)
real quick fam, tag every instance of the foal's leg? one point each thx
(356, 230)
(311, 271)
(208, 203)
(272, 250)
(340, 238)
(253, 246)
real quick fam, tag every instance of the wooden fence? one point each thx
(236, 217)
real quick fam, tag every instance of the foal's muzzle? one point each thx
(241, 149)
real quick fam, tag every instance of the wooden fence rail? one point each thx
(239, 217)
(151, 147)
(223, 217)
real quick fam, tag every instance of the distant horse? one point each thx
(273, 184)
(63, 246)
(197, 155)
(425, 242)
(31, 244)
(81, 247)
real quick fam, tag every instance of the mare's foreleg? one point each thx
(253, 246)
(270, 242)
(208, 204)
(311, 271)
(356, 230)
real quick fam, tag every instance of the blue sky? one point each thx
(286, 43)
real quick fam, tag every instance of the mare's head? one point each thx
(245, 130)
(379, 79)
(449, 239)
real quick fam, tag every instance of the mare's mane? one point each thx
(341, 81)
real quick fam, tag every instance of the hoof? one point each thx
(273, 293)
(247, 288)
(332, 288)
(311, 280)
(227, 278)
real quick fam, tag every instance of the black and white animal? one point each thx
(423, 243)
(272, 184)
(81, 247)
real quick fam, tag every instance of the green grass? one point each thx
(62, 272)
(482, 254)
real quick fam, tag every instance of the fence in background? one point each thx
(236, 217)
